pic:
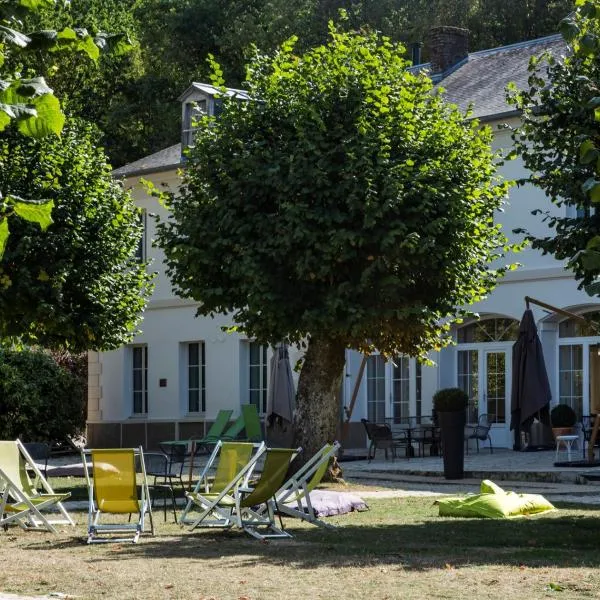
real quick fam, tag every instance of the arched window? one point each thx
(575, 328)
(488, 330)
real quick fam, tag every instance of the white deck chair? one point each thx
(112, 489)
(234, 463)
(21, 500)
(289, 499)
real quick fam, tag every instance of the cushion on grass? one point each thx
(494, 503)
(328, 503)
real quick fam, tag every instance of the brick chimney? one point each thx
(447, 47)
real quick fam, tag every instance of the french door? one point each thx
(484, 372)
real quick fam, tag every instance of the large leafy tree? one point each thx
(345, 206)
(27, 101)
(77, 285)
(559, 142)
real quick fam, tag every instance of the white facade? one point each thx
(128, 397)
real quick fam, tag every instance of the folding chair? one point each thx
(288, 500)
(261, 524)
(216, 501)
(40, 452)
(21, 502)
(215, 432)
(249, 422)
(254, 431)
(235, 430)
(112, 489)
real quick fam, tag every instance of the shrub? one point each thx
(450, 400)
(39, 400)
(562, 415)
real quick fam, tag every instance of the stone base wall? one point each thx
(149, 434)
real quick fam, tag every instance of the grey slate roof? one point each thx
(482, 78)
(163, 160)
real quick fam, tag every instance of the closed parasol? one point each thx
(530, 386)
(281, 399)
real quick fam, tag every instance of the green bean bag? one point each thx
(493, 503)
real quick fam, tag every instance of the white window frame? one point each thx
(383, 408)
(263, 376)
(143, 389)
(200, 369)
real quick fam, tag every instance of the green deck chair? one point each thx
(21, 500)
(215, 432)
(261, 524)
(113, 489)
(249, 423)
(288, 500)
(215, 501)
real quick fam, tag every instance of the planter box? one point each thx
(452, 426)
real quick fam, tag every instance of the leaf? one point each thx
(587, 152)
(13, 37)
(568, 29)
(36, 211)
(3, 235)
(49, 118)
(591, 187)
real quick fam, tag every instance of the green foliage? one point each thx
(78, 284)
(348, 202)
(450, 400)
(558, 141)
(28, 102)
(562, 415)
(39, 400)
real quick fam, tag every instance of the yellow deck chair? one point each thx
(249, 500)
(215, 501)
(289, 499)
(21, 500)
(113, 489)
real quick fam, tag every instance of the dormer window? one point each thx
(202, 99)
(192, 111)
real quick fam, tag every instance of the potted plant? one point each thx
(563, 419)
(450, 406)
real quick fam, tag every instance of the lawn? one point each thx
(400, 548)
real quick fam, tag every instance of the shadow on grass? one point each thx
(429, 542)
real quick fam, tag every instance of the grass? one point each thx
(398, 549)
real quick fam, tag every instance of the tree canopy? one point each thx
(346, 204)
(77, 285)
(559, 142)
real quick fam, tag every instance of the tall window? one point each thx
(576, 338)
(400, 389)
(192, 111)
(468, 380)
(140, 253)
(376, 388)
(570, 373)
(257, 388)
(140, 379)
(196, 366)
(419, 389)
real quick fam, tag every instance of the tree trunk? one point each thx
(317, 413)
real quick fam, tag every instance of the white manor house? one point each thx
(176, 375)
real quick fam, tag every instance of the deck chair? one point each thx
(249, 423)
(213, 435)
(234, 463)
(257, 523)
(288, 500)
(113, 489)
(21, 501)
